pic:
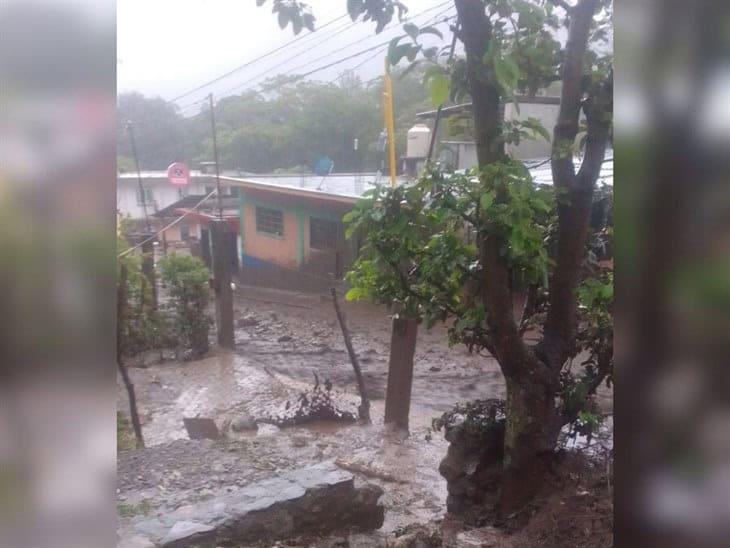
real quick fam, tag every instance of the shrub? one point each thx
(141, 326)
(186, 280)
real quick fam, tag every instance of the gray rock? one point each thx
(243, 423)
(360, 540)
(284, 338)
(187, 533)
(151, 528)
(247, 321)
(135, 541)
(320, 499)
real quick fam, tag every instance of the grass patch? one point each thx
(128, 510)
(125, 434)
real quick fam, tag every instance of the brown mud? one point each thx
(282, 340)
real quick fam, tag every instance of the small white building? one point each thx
(157, 192)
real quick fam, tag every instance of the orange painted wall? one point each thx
(282, 251)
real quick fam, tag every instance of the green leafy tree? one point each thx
(418, 254)
(158, 131)
(288, 125)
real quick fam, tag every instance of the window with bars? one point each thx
(144, 196)
(269, 221)
(322, 234)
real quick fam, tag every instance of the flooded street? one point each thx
(283, 342)
(279, 349)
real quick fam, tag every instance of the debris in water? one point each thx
(201, 428)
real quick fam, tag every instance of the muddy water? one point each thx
(282, 348)
(278, 353)
(279, 350)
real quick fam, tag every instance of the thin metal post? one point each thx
(215, 154)
(130, 130)
(441, 106)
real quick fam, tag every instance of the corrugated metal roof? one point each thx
(348, 185)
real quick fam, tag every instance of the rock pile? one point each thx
(473, 463)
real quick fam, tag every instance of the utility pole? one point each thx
(130, 130)
(215, 157)
(148, 250)
(220, 244)
(441, 106)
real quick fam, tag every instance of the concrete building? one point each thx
(462, 154)
(291, 230)
(157, 192)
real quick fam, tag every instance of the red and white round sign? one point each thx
(178, 174)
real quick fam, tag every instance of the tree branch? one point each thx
(562, 4)
(513, 355)
(573, 214)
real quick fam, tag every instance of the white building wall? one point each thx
(163, 193)
(531, 149)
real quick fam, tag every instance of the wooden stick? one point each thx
(121, 310)
(359, 468)
(364, 409)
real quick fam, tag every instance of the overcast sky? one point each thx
(167, 47)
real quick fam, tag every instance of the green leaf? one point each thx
(430, 53)
(296, 24)
(283, 19)
(354, 8)
(439, 88)
(539, 204)
(397, 52)
(260, 3)
(411, 30)
(412, 52)
(308, 21)
(486, 200)
(356, 293)
(431, 30)
(409, 69)
(507, 72)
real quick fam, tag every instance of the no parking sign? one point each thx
(178, 174)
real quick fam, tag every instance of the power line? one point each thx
(288, 59)
(173, 223)
(431, 20)
(389, 27)
(252, 61)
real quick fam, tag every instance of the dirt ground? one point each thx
(282, 340)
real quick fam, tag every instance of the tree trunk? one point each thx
(121, 315)
(400, 372)
(532, 424)
(530, 437)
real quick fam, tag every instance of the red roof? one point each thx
(205, 218)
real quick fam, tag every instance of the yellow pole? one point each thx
(388, 116)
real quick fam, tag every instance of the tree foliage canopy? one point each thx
(458, 246)
(287, 128)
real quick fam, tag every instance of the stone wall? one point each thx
(317, 500)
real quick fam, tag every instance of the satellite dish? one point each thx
(323, 166)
